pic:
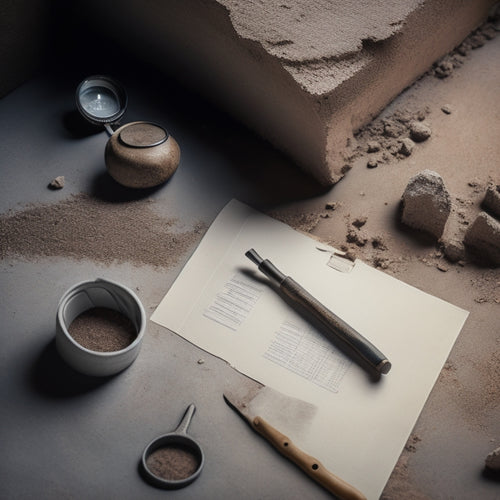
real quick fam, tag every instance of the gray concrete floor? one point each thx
(65, 436)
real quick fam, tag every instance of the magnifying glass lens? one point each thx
(100, 101)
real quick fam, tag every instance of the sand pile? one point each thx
(305, 75)
(83, 227)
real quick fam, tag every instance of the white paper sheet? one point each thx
(223, 304)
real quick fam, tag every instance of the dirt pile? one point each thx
(393, 137)
(83, 227)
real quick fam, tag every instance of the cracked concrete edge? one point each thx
(309, 110)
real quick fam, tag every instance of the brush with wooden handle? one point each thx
(245, 405)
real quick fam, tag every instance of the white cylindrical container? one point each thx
(92, 294)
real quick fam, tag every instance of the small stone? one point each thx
(373, 146)
(356, 237)
(406, 146)
(446, 109)
(454, 250)
(419, 131)
(372, 163)
(483, 237)
(426, 203)
(378, 243)
(442, 267)
(201, 361)
(57, 183)
(331, 205)
(444, 68)
(492, 199)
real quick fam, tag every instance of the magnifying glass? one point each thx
(138, 154)
(101, 100)
(173, 460)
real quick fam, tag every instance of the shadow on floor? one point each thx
(50, 376)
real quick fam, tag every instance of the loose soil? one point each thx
(84, 227)
(103, 330)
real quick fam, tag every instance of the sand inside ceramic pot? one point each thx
(103, 330)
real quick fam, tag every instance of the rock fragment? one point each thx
(419, 131)
(406, 146)
(454, 249)
(359, 221)
(373, 146)
(57, 183)
(483, 237)
(426, 203)
(356, 237)
(492, 199)
(492, 461)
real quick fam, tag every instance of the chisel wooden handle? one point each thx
(336, 326)
(312, 467)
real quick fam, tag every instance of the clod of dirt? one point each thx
(484, 238)
(359, 221)
(373, 146)
(332, 205)
(426, 203)
(419, 131)
(57, 183)
(492, 461)
(372, 163)
(491, 200)
(356, 237)
(406, 146)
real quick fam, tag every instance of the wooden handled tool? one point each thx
(253, 400)
(312, 467)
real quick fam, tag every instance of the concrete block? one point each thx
(426, 203)
(305, 75)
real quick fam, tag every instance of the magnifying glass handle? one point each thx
(186, 419)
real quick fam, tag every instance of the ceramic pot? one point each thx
(141, 155)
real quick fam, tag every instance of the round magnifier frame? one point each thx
(101, 99)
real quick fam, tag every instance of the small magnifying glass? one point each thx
(101, 100)
(173, 460)
(138, 154)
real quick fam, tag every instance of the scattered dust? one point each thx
(83, 227)
(304, 222)
(453, 60)
(399, 485)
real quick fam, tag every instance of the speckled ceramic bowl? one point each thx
(141, 155)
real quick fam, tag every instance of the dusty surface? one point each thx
(84, 226)
(460, 423)
(361, 215)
